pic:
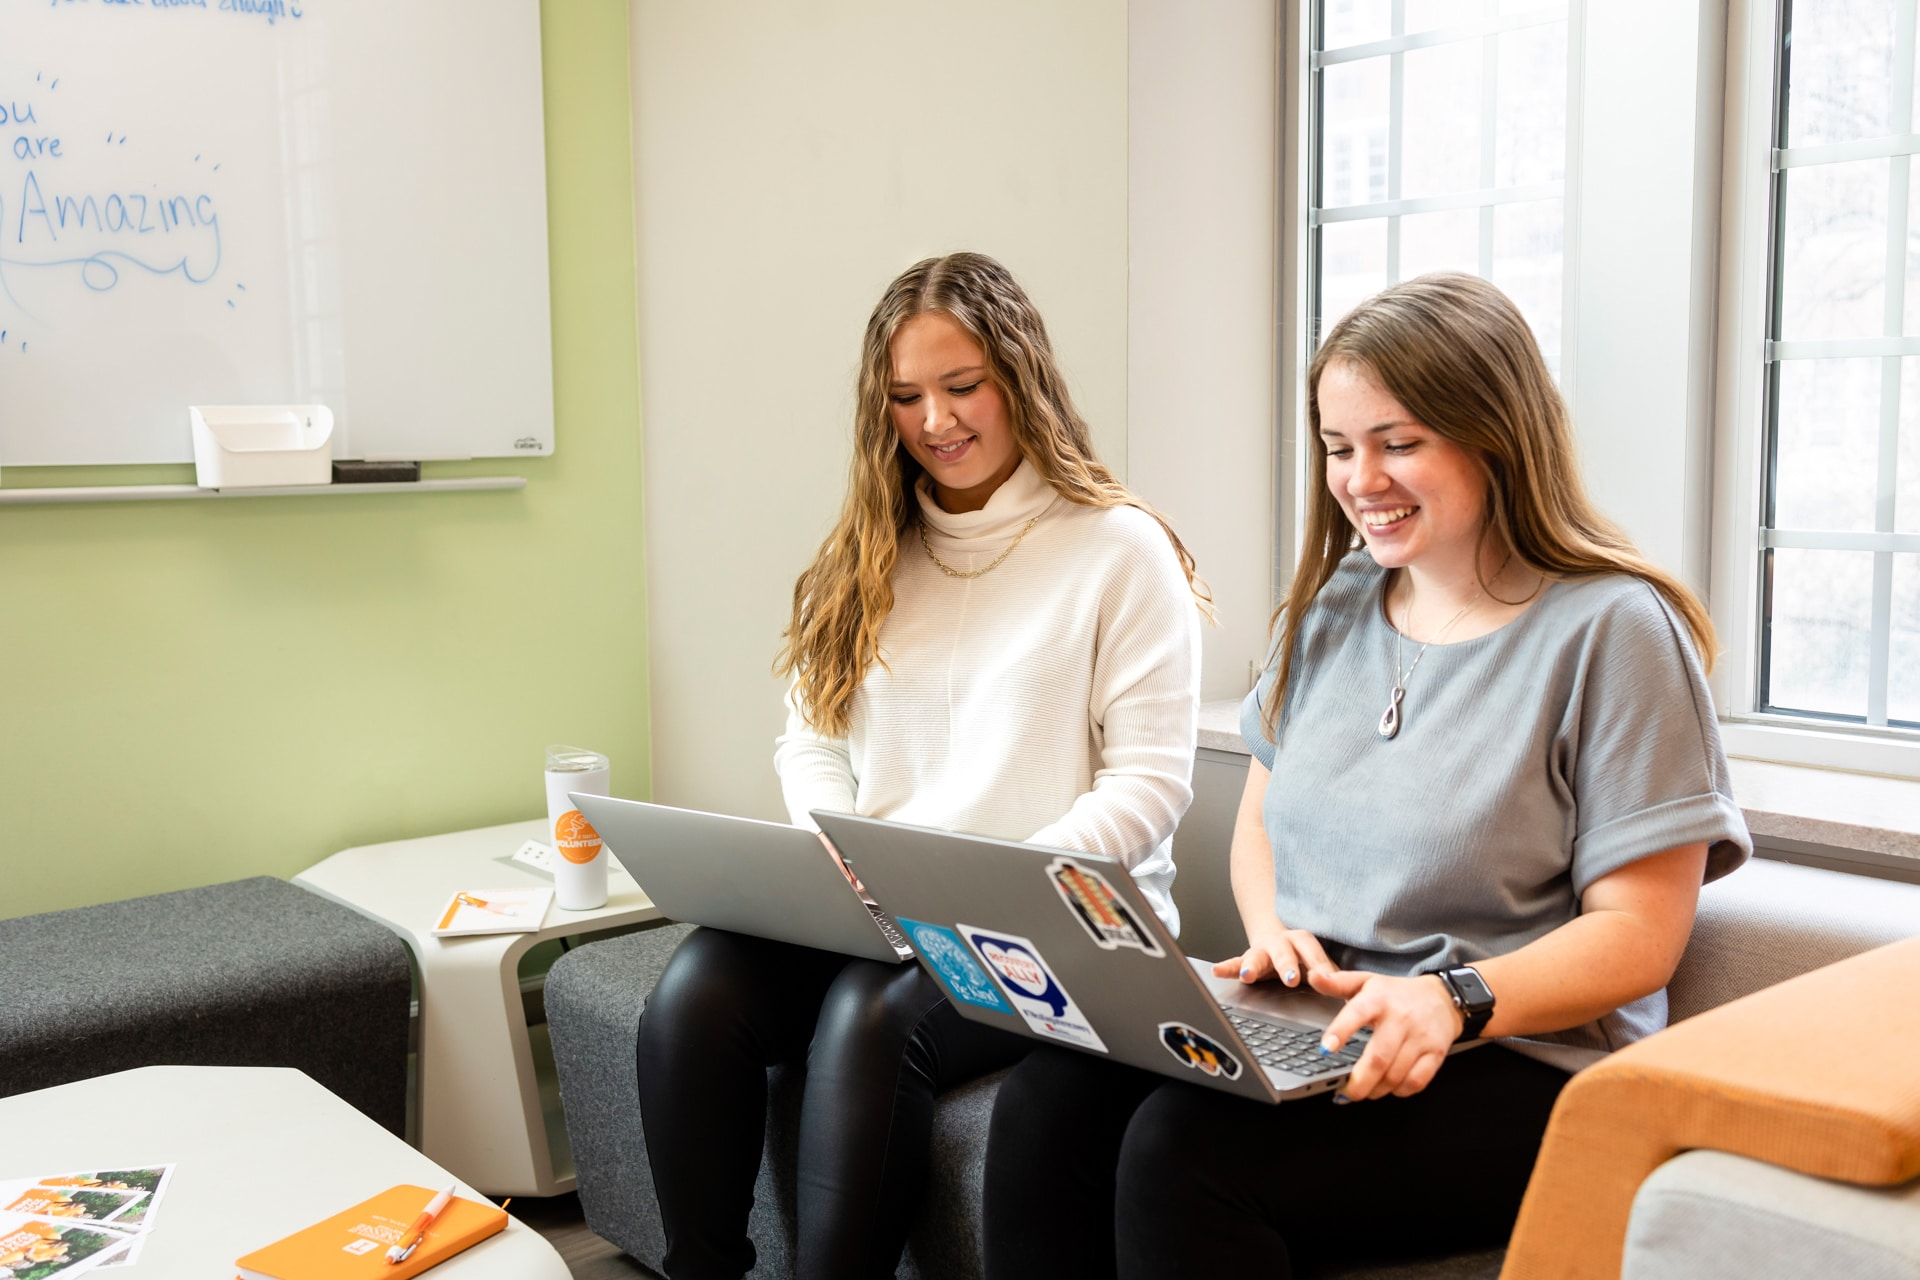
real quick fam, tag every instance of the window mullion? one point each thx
(1396, 132)
(1893, 314)
(1489, 137)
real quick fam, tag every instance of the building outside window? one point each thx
(1839, 595)
(1440, 131)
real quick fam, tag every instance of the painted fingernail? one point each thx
(1245, 970)
(1290, 976)
(1341, 1099)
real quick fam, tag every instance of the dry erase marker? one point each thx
(411, 1240)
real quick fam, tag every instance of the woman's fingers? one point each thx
(1312, 955)
(1269, 959)
(1422, 1074)
(1251, 965)
(1411, 1032)
(1292, 956)
(1393, 1075)
(1359, 1012)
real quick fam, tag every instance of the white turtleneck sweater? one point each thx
(1053, 700)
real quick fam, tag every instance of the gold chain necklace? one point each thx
(952, 572)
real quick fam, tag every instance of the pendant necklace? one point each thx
(1390, 721)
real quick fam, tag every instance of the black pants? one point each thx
(1096, 1169)
(879, 1042)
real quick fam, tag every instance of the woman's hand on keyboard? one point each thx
(1413, 1020)
(1286, 954)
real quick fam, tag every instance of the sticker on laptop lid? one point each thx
(963, 978)
(1035, 991)
(1102, 912)
(1192, 1049)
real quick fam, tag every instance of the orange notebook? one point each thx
(353, 1245)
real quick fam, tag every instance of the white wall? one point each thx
(789, 160)
(1203, 173)
(1641, 268)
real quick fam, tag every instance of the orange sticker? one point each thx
(575, 837)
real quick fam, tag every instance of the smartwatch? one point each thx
(1471, 996)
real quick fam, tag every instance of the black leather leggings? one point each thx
(879, 1043)
(1095, 1169)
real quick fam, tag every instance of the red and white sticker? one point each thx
(1036, 992)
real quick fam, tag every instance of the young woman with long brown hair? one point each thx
(996, 637)
(1486, 786)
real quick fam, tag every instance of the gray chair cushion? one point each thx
(254, 973)
(1770, 921)
(594, 998)
(1707, 1215)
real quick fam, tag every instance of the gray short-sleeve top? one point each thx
(1530, 762)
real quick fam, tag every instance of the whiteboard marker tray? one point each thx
(246, 446)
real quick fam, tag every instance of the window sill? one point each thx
(1797, 813)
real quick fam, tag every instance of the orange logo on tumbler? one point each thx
(575, 837)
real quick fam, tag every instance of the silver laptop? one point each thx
(1063, 948)
(761, 878)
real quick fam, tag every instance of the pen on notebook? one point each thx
(411, 1240)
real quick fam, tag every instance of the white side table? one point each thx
(479, 1103)
(259, 1152)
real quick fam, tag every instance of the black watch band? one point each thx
(1471, 996)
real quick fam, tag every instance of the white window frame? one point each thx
(1739, 446)
(1662, 345)
(1483, 198)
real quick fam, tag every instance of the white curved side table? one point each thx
(258, 1153)
(479, 1101)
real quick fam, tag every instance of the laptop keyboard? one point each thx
(1295, 1049)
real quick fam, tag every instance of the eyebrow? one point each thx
(945, 377)
(1374, 430)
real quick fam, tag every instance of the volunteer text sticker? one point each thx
(1192, 1049)
(964, 979)
(1104, 914)
(1035, 991)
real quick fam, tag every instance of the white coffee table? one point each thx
(259, 1152)
(480, 1107)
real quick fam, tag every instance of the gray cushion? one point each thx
(1766, 922)
(594, 997)
(252, 973)
(1707, 1215)
(1770, 921)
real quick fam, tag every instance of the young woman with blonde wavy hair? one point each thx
(996, 637)
(1486, 785)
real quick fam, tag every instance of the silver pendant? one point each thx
(1390, 722)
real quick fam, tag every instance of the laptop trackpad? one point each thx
(1301, 1005)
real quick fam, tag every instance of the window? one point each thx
(1441, 144)
(1839, 595)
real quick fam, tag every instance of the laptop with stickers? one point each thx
(766, 879)
(1063, 948)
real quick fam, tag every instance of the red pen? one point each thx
(411, 1240)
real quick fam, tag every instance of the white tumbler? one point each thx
(580, 859)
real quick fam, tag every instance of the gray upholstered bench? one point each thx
(594, 997)
(254, 973)
(1763, 924)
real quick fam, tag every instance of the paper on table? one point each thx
(123, 1201)
(493, 911)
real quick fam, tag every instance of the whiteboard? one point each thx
(339, 202)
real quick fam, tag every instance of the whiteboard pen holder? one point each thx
(251, 446)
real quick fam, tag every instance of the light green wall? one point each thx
(196, 691)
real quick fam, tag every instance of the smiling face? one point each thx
(1418, 499)
(949, 414)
